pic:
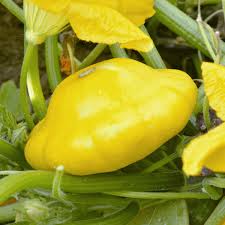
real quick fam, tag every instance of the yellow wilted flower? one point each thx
(209, 150)
(98, 21)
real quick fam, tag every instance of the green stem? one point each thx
(191, 187)
(161, 195)
(25, 104)
(218, 215)
(203, 2)
(71, 57)
(213, 39)
(21, 223)
(11, 153)
(214, 187)
(161, 163)
(77, 62)
(215, 193)
(56, 186)
(206, 20)
(52, 62)
(8, 212)
(197, 64)
(34, 86)
(180, 4)
(152, 26)
(14, 9)
(149, 203)
(95, 53)
(182, 25)
(215, 181)
(171, 164)
(223, 7)
(122, 217)
(152, 58)
(206, 40)
(175, 2)
(206, 113)
(90, 184)
(97, 199)
(118, 52)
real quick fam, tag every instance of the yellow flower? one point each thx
(209, 150)
(101, 21)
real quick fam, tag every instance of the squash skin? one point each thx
(110, 115)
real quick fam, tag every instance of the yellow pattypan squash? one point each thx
(110, 115)
(209, 150)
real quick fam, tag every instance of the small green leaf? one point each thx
(7, 123)
(10, 131)
(10, 98)
(169, 213)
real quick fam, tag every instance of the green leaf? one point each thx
(200, 210)
(10, 98)
(169, 213)
(218, 215)
(7, 123)
(10, 130)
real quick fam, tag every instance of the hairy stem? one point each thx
(52, 62)
(90, 184)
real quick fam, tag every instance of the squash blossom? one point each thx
(209, 150)
(101, 21)
(110, 115)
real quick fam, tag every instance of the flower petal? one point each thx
(207, 151)
(41, 23)
(135, 11)
(214, 80)
(54, 6)
(101, 24)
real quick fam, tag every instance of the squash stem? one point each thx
(118, 52)
(8, 212)
(90, 184)
(206, 113)
(161, 163)
(52, 62)
(152, 58)
(161, 195)
(25, 105)
(93, 55)
(34, 86)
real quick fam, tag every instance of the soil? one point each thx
(11, 46)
